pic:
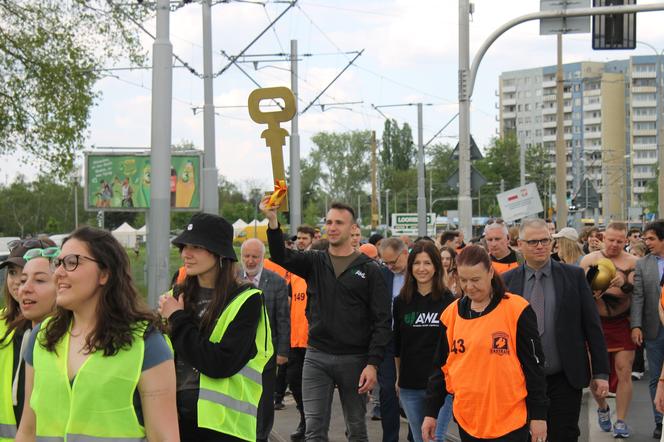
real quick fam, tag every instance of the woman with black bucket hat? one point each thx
(220, 334)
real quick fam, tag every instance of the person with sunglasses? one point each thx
(568, 325)
(497, 237)
(98, 368)
(13, 328)
(221, 336)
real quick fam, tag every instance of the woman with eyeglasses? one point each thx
(450, 275)
(98, 368)
(14, 330)
(221, 337)
(416, 312)
(490, 357)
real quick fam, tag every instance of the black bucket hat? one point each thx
(211, 232)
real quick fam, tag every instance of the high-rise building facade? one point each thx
(609, 124)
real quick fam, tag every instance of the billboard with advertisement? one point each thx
(121, 181)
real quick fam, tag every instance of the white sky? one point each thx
(410, 56)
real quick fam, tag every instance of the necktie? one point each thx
(537, 301)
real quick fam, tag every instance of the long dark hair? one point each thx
(11, 314)
(120, 308)
(453, 255)
(438, 289)
(471, 255)
(226, 283)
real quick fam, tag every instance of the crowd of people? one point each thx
(499, 335)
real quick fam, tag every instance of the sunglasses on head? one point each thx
(27, 243)
(495, 221)
(49, 252)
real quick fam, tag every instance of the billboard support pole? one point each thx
(160, 157)
(210, 175)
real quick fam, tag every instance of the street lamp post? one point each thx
(387, 208)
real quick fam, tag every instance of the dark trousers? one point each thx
(389, 402)
(295, 363)
(281, 384)
(320, 374)
(564, 409)
(190, 432)
(265, 415)
(520, 435)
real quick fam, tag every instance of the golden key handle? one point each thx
(274, 135)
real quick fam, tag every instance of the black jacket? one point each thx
(346, 315)
(578, 328)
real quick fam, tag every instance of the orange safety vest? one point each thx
(483, 371)
(298, 286)
(661, 297)
(500, 267)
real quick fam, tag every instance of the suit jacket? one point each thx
(645, 298)
(578, 329)
(275, 293)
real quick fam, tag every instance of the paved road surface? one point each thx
(639, 419)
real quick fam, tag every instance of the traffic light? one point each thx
(614, 31)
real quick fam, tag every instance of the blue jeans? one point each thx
(413, 404)
(655, 352)
(321, 372)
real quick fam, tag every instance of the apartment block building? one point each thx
(610, 114)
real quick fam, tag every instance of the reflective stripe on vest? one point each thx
(227, 401)
(7, 418)
(8, 431)
(98, 405)
(230, 405)
(49, 439)
(84, 438)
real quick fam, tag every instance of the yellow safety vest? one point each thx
(98, 406)
(7, 418)
(230, 405)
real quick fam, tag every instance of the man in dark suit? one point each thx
(644, 318)
(569, 325)
(275, 293)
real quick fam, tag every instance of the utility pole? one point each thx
(561, 150)
(465, 206)
(421, 196)
(374, 198)
(660, 138)
(210, 175)
(295, 193)
(160, 157)
(387, 210)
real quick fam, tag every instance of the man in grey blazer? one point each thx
(645, 323)
(275, 293)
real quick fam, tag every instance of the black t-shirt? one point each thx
(508, 259)
(416, 334)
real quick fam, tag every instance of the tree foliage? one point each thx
(343, 159)
(51, 55)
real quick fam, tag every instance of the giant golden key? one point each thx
(274, 135)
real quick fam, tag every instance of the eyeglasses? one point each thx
(49, 252)
(27, 243)
(534, 242)
(69, 262)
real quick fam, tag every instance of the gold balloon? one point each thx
(607, 271)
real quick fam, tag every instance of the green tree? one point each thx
(499, 165)
(651, 196)
(439, 169)
(344, 161)
(539, 170)
(51, 55)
